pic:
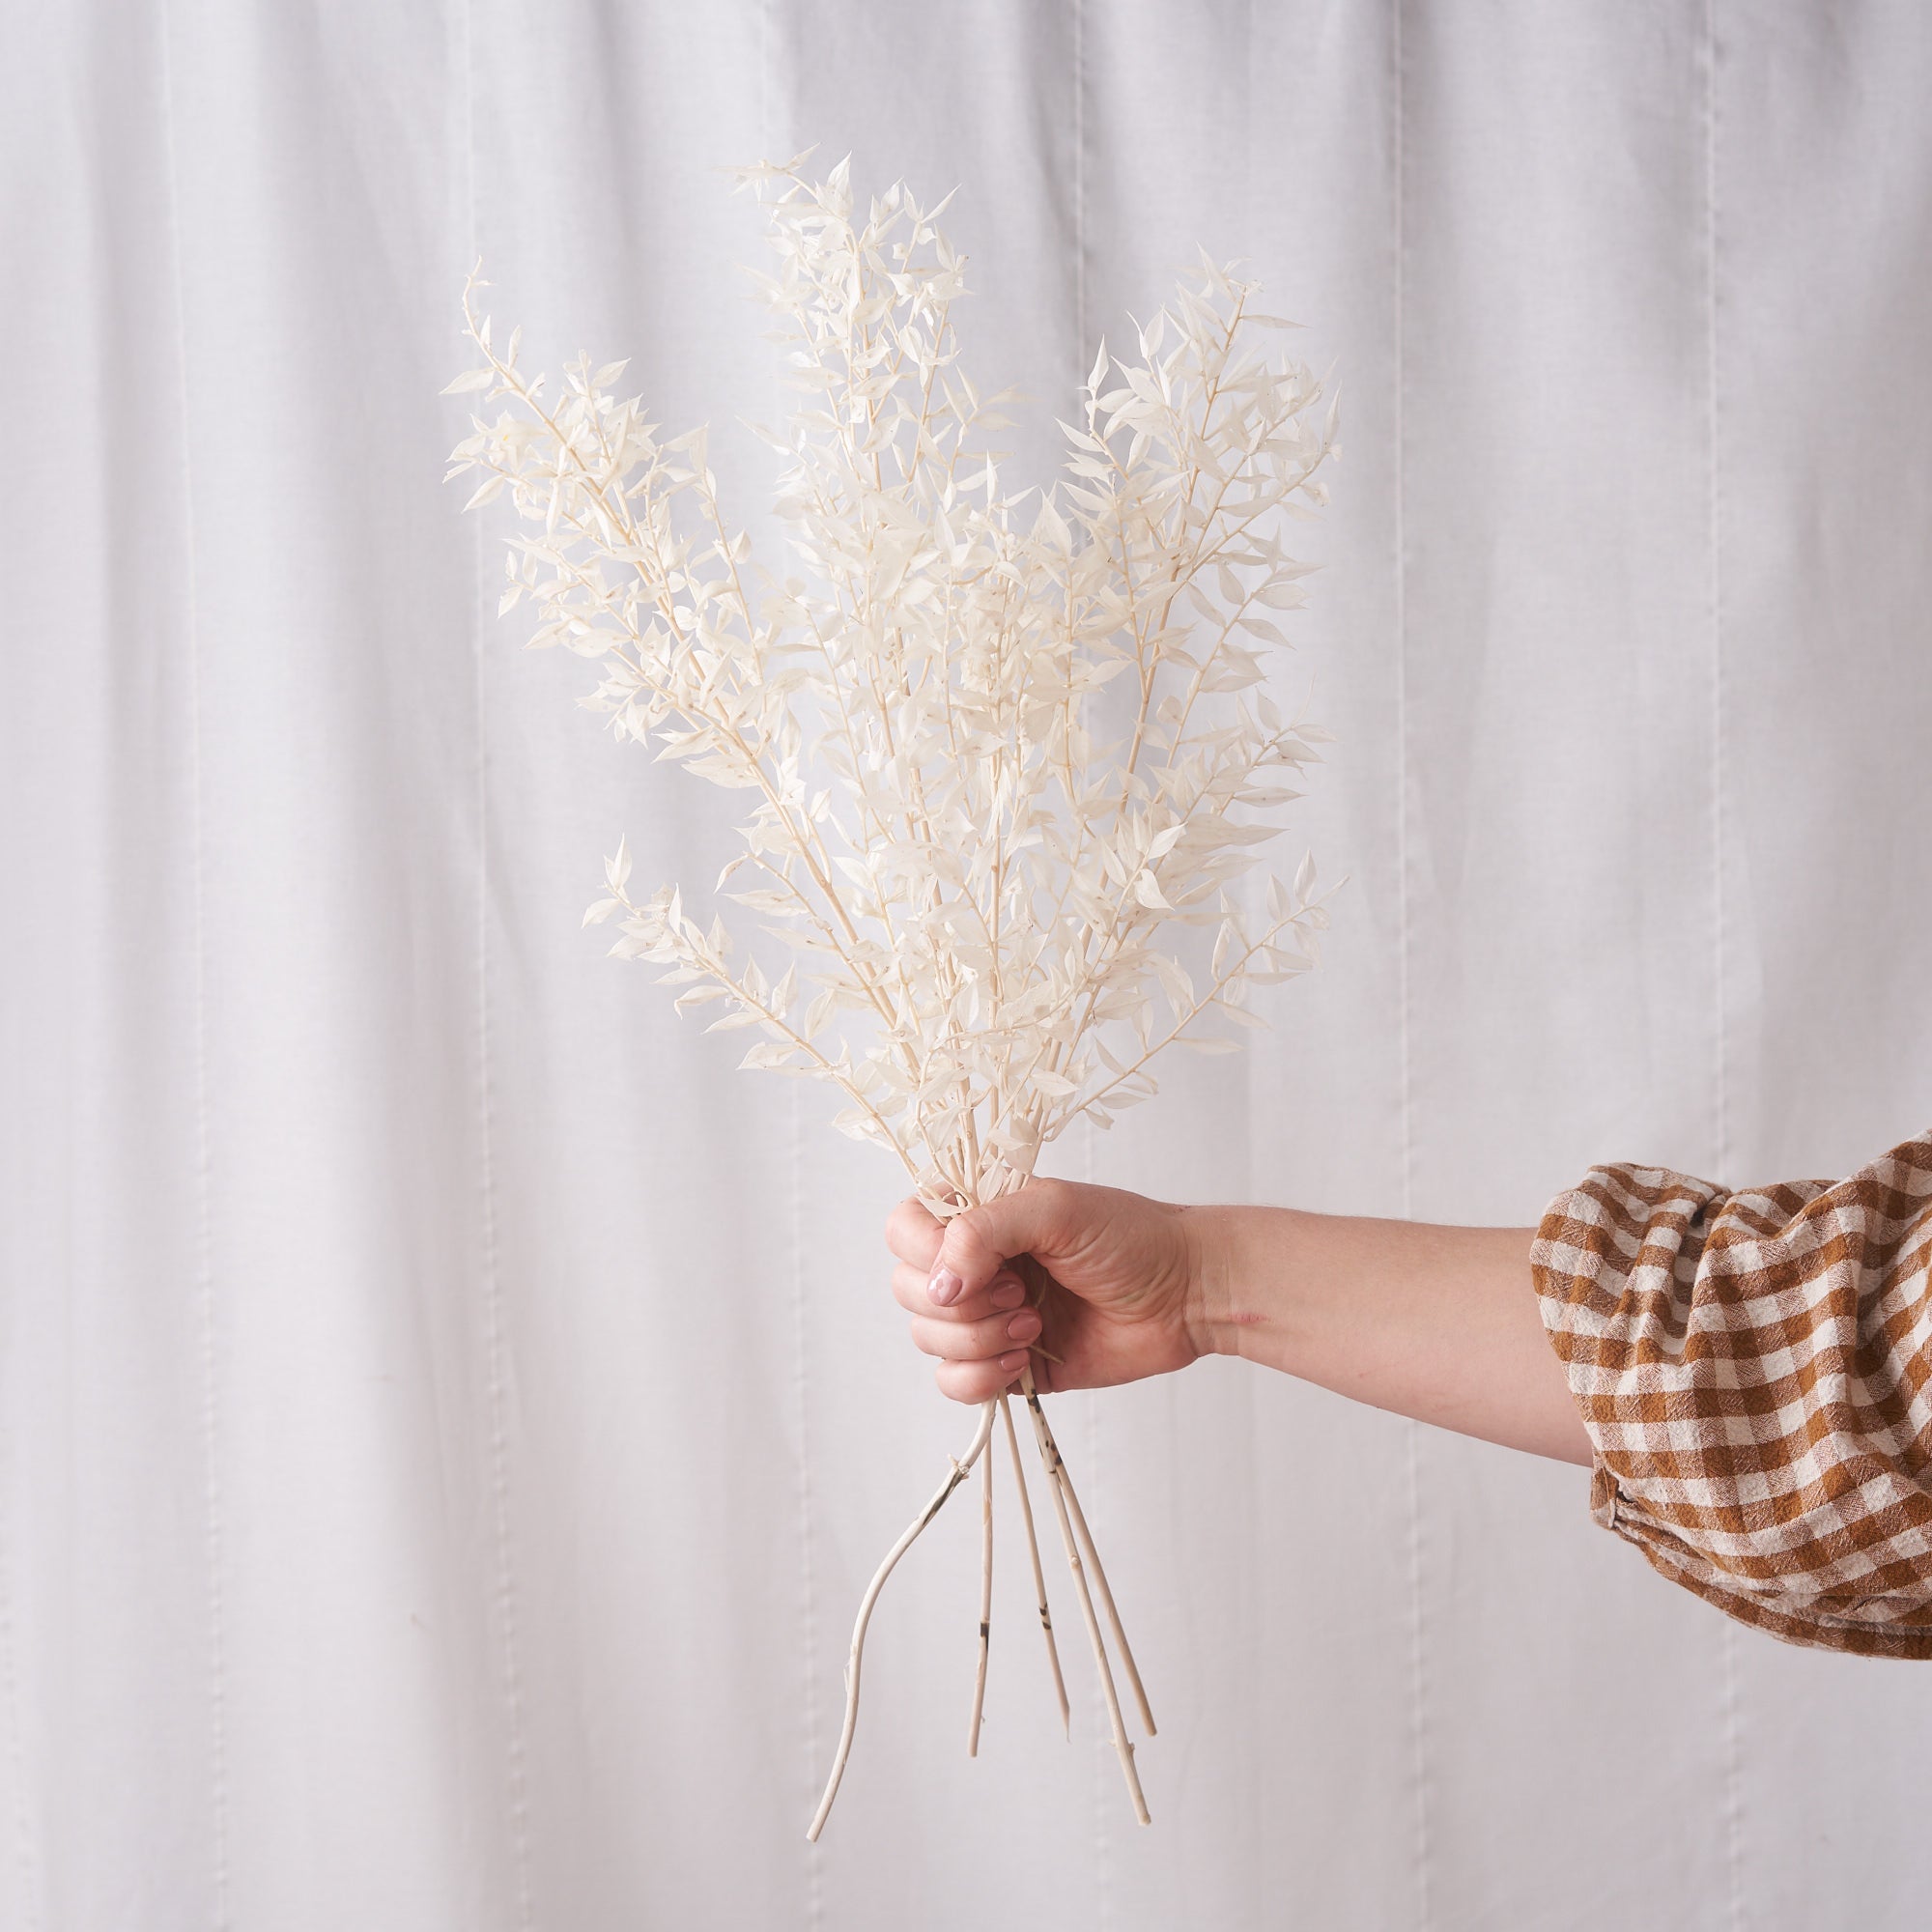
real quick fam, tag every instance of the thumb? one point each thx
(1035, 1221)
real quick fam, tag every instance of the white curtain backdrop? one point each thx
(447, 1418)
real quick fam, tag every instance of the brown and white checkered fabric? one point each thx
(1753, 1370)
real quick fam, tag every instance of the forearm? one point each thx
(1435, 1322)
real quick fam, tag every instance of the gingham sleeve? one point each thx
(1753, 1369)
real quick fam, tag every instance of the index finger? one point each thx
(912, 1233)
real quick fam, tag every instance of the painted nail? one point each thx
(1013, 1359)
(1024, 1327)
(1009, 1294)
(943, 1286)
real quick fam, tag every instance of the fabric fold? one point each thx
(1752, 1368)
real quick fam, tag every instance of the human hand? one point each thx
(1097, 1284)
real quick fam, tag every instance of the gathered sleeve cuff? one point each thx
(1753, 1371)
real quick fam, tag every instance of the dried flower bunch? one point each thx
(1009, 753)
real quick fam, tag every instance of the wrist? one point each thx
(1238, 1294)
(1212, 1238)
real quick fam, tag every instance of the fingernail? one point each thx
(943, 1286)
(1024, 1327)
(1009, 1294)
(1015, 1359)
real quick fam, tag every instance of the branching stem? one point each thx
(975, 876)
(961, 1469)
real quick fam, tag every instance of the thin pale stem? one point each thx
(1200, 1005)
(1039, 1572)
(714, 968)
(621, 516)
(1050, 1455)
(985, 1597)
(961, 1469)
(1121, 1643)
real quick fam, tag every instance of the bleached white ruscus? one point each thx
(1007, 754)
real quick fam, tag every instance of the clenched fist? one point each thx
(1097, 1284)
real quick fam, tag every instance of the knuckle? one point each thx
(1054, 1196)
(969, 1248)
(969, 1341)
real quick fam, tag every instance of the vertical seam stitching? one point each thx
(815, 1896)
(26, 1863)
(1079, 188)
(1715, 590)
(808, 1581)
(1418, 1652)
(214, 1523)
(1731, 1699)
(1252, 1397)
(495, 1351)
(1406, 1145)
(1101, 1861)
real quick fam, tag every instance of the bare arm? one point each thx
(1106, 1287)
(1435, 1322)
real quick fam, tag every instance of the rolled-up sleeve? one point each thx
(1753, 1371)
